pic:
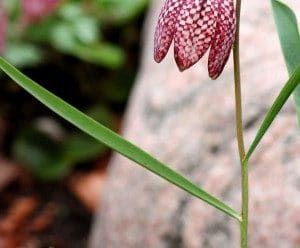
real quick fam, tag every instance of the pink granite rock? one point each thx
(187, 121)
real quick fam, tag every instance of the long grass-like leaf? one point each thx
(286, 23)
(111, 139)
(285, 93)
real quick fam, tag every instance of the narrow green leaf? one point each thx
(288, 31)
(111, 139)
(287, 90)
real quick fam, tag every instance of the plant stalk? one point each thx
(239, 130)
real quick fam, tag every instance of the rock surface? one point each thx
(187, 121)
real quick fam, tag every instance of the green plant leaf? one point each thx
(40, 154)
(104, 54)
(50, 160)
(111, 139)
(22, 54)
(120, 11)
(288, 31)
(80, 148)
(285, 93)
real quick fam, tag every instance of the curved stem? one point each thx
(239, 130)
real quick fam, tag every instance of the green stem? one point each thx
(245, 196)
(239, 130)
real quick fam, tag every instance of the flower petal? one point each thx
(195, 29)
(223, 40)
(165, 28)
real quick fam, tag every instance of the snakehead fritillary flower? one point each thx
(195, 26)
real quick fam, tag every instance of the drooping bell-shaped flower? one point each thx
(195, 26)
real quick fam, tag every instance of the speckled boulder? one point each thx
(187, 121)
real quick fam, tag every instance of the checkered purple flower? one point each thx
(195, 26)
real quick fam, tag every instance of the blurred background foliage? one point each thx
(85, 52)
